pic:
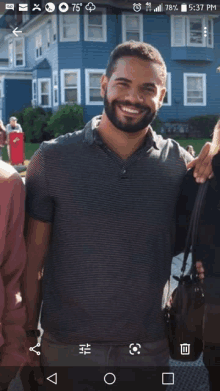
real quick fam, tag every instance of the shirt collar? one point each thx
(92, 136)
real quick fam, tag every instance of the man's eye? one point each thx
(123, 84)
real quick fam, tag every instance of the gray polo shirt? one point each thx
(17, 128)
(112, 238)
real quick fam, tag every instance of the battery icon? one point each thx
(183, 7)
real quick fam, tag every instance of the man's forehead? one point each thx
(134, 68)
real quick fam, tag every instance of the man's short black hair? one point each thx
(141, 50)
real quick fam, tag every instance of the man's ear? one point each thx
(162, 95)
(104, 82)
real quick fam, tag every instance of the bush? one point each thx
(157, 124)
(34, 124)
(203, 125)
(66, 120)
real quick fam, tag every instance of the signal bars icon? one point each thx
(159, 8)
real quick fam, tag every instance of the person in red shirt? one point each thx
(12, 262)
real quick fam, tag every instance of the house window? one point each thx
(19, 52)
(195, 29)
(38, 45)
(1, 89)
(167, 98)
(55, 88)
(132, 27)
(10, 53)
(189, 31)
(44, 92)
(54, 28)
(194, 89)
(95, 25)
(70, 86)
(48, 36)
(93, 86)
(69, 27)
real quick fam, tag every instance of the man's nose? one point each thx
(135, 96)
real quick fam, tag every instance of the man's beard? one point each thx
(128, 127)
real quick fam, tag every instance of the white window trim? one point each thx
(39, 91)
(87, 74)
(55, 73)
(11, 42)
(62, 73)
(35, 37)
(62, 39)
(186, 35)
(104, 26)
(169, 91)
(124, 14)
(185, 75)
(34, 81)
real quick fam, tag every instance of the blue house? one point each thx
(59, 57)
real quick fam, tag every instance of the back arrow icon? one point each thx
(15, 31)
(55, 378)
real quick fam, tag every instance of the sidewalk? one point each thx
(192, 376)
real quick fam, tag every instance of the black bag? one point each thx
(184, 316)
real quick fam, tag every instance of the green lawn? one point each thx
(196, 143)
(29, 151)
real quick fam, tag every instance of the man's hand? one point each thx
(200, 270)
(203, 163)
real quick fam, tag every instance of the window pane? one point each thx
(194, 83)
(95, 95)
(194, 94)
(18, 46)
(134, 36)
(34, 88)
(44, 100)
(95, 32)
(69, 19)
(55, 79)
(44, 87)
(195, 100)
(195, 30)
(55, 96)
(95, 79)
(69, 32)
(165, 99)
(178, 30)
(95, 18)
(132, 22)
(71, 95)
(70, 79)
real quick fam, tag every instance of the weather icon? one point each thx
(90, 7)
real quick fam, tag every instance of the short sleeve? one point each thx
(39, 203)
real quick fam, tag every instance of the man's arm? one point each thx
(14, 257)
(37, 238)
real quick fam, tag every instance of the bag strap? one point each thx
(193, 225)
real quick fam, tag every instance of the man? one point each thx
(12, 260)
(13, 126)
(102, 229)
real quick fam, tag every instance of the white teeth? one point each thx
(129, 110)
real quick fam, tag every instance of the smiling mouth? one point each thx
(131, 111)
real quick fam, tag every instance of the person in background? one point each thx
(12, 263)
(2, 137)
(13, 126)
(207, 254)
(190, 149)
